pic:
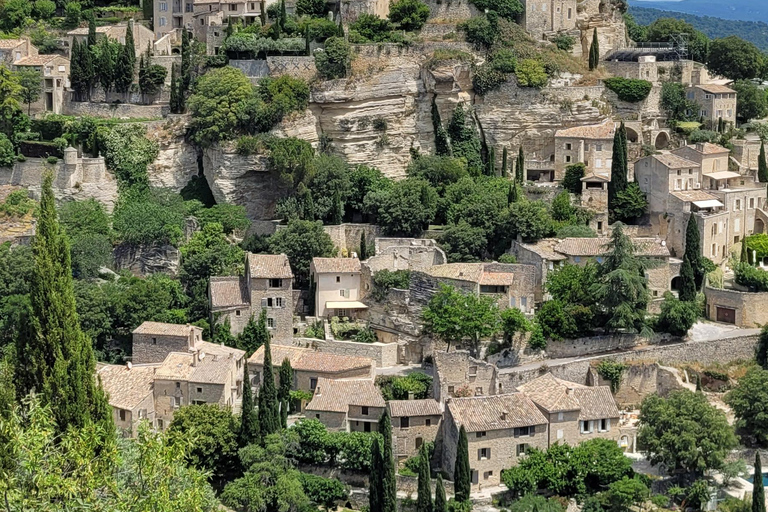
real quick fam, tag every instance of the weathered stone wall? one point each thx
(383, 354)
(640, 380)
(144, 260)
(592, 345)
(455, 370)
(253, 68)
(83, 108)
(751, 308)
(153, 348)
(347, 236)
(405, 439)
(176, 162)
(297, 67)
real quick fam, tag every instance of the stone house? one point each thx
(715, 102)
(400, 254)
(153, 341)
(710, 157)
(142, 36)
(170, 15)
(500, 430)
(130, 390)
(337, 287)
(543, 16)
(457, 374)
(575, 412)
(54, 72)
(414, 422)
(542, 256)
(309, 366)
(354, 405)
(512, 284)
(267, 284)
(13, 50)
(590, 145)
(744, 309)
(594, 197)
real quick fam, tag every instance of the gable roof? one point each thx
(175, 366)
(228, 291)
(557, 395)
(37, 60)
(647, 247)
(336, 265)
(126, 387)
(495, 412)
(337, 395)
(425, 407)
(306, 359)
(83, 31)
(715, 88)
(603, 131)
(9, 44)
(673, 161)
(596, 403)
(707, 148)
(545, 248)
(269, 266)
(471, 272)
(213, 368)
(163, 329)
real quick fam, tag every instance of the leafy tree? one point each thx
(409, 14)
(85, 217)
(462, 478)
(218, 104)
(758, 494)
(151, 76)
(442, 143)
(675, 103)
(453, 316)
(326, 492)
(482, 31)
(232, 217)
(684, 432)
(464, 140)
(54, 357)
(254, 335)
(310, 7)
(249, 418)
(127, 151)
(301, 241)
(561, 207)
(630, 203)
(15, 13)
(631, 90)
(7, 153)
(623, 494)
(530, 220)
(372, 28)
(284, 392)
(762, 166)
(749, 401)
(572, 179)
(677, 316)
(575, 231)
(462, 242)
(31, 82)
(531, 73)
(89, 254)
(536, 503)
(665, 29)
(388, 481)
(424, 499)
(440, 171)
(594, 52)
(44, 9)
(404, 209)
(735, 58)
(147, 217)
(10, 108)
(752, 103)
(513, 321)
(440, 504)
(333, 61)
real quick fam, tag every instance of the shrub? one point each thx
(482, 31)
(507, 258)
(365, 335)
(630, 90)
(323, 491)
(486, 79)
(152, 78)
(145, 217)
(564, 42)
(531, 73)
(7, 153)
(17, 204)
(507, 9)
(372, 28)
(315, 330)
(612, 372)
(677, 316)
(72, 13)
(385, 280)
(753, 278)
(333, 61)
(217, 61)
(504, 60)
(310, 7)
(52, 160)
(409, 14)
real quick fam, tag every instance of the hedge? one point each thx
(630, 90)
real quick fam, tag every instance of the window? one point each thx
(523, 302)
(730, 113)
(599, 225)
(427, 422)
(714, 249)
(154, 341)
(560, 416)
(473, 371)
(270, 302)
(570, 13)
(605, 425)
(737, 204)
(600, 259)
(176, 402)
(122, 414)
(419, 442)
(178, 385)
(279, 302)
(162, 21)
(737, 225)
(521, 449)
(678, 184)
(275, 283)
(188, 7)
(199, 390)
(232, 7)
(163, 6)
(567, 159)
(483, 454)
(405, 422)
(598, 163)
(201, 402)
(270, 323)
(522, 431)
(479, 434)
(568, 146)
(312, 383)
(751, 202)
(317, 416)
(364, 410)
(577, 259)
(586, 427)
(341, 293)
(714, 229)
(338, 279)
(560, 434)
(450, 389)
(160, 424)
(237, 312)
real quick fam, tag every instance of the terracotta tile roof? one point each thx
(497, 278)
(269, 266)
(229, 291)
(309, 360)
(459, 271)
(36, 60)
(163, 329)
(715, 88)
(603, 131)
(495, 412)
(596, 403)
(83, 31)
(557, 395)
(597, 246)
(126, 388)
(213, 369)
(673, 161)
(336, 265)
(176, 366)
(426, 407)
(707, 148)
(338, 395)
(9, 44)
(694, 195)
(545, 248)
(219, 350)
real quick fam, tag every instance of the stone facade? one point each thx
(541, 16)
(716, 102)
(383, 354)
(458, 374)
(744, 309)
(408, 439)
(589, 145)
(152, 343)
(54, 70)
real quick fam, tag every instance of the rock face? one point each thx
(176, 162)
(145, 260)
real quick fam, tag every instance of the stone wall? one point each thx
(454, 370)
(347, 236)
(176, 162)
(121, 110)
(145, 260)
(640, 380)
(297, 67)
(596, 344)
(383, 354)
(253, 68)
(153, 348)
(751, 309)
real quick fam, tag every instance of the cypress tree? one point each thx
(687, 282)
(263, 12)
(337, 209)
(618, 182)
(185, 61)
(107, 65)
(389, 483)
(76, 76)
(269, 411)
(306, 41)
(462, 479)
(693, 250)
(306, 204)
(698, 384)
(441, 504)
(375, 479)
(594, 52)
(255, 334)
(744, 252)
(249, 419)
(424, 496)
(91, 31)
(130, 46)
(504, 162)
(442, 144)
(124, 70)
(283, 14)
(520, 167)
(492, 162)
(762, 165)
(88, 66)
(758, 493)
(514, 194)
(54, 357)
(174, 101)
(284, 393)
(363, 248)
(340, 30)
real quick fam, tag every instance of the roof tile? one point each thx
(426, 407)
(229, 291)
(604, 131)
(495, 412)
(126, 387)
(305, 359)
(336, 265)
(163, 329)
(337, 395)
(269, 266)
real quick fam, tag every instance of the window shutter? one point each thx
(263, 302)
(517, 432)
(479, 454)
(489, 453)
(608, 424)
(532, 430)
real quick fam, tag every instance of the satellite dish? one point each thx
(129, 365)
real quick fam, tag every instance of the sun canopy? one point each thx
(723, 175)
(353, 304)
(712, 203)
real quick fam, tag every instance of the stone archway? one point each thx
(662, 141)
(632, 135)
(675, 283)
(759, 226)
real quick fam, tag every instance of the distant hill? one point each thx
(753, 31)
(746, 10)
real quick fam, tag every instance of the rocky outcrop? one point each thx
(176, 162)
(143, 260)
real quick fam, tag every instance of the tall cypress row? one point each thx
(389, 483)
(91, 30)
(462, 479)
(284, 393)
(186, 70)
(54, 357)
(269, 411)
(693, 251)
(520, 167)
(249, 419)
(594, 52)
(424, 493)
(492, 162)
(618, 182)
(762, 165)
(174, 101)
(363, 248)
(758, 493)
(375, 484)
(441, 504)
(504, 162)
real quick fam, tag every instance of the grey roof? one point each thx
(496, 412)
(426, 407)
(272, 266)
(228, 291)
(338, 395)
(336, 265)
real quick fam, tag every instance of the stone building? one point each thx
(170, 15)
(309, 366)
(267, 284)
(414, 422)
(594, 197)
(740, 307)
(543, 16)
(153, 341)
(457, 374)
(575, 412)
(13, 50)
(142, 36)
(130, 394)
(715, 101)
(590, 145)
(400, 254)
(347, 405)
(337, 287)
(711, 158)
(54, 72)
(500, 430)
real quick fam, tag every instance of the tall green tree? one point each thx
(693, 251)
(520, 167)
(758, 493)
(749, 402)
(687, 290)
(504, 169)
(594, 52)
(249, 418)
(91, 31)
(462, 478)
(761, 350)
(255, 334)
(375, 484)
(175, 102)
(442, 144)
(388, 480)
(54, 357)
(106, 66)
(186, 63)
(363, 248)
(31, 82)
(126, 63)
(491, 167)
(424, 496)
(284, 392)
(619, 167)
(269, 408)
(441, 504)
(762, 165)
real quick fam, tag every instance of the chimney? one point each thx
(504, 416)
(317, 390)
(194, 359)
(569, 391)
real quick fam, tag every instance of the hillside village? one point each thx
(387, 256)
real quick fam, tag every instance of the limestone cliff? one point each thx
(176, 162)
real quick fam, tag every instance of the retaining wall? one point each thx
(121, 110)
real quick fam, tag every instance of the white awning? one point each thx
(711, 203)
(723, 175)
(353, 304)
